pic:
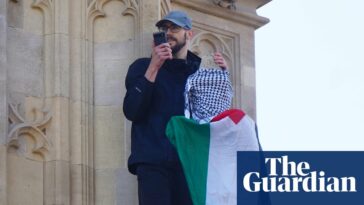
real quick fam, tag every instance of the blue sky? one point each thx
(310, 75)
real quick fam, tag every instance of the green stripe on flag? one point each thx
(193, 149)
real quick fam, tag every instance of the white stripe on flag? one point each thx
(226, 139)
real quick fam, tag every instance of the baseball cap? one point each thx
(179, 18)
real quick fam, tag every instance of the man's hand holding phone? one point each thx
(161, 49)
(160, 54)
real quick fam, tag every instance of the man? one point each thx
(155, 88)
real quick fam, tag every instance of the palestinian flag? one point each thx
(208, 153)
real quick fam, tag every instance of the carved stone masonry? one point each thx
(27, 134)
(229, 4)
(206, 43)
(165, 7)
(28, 137)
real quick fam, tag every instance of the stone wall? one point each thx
(63, 136)
(3, 100)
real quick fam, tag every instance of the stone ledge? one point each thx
(248, 17)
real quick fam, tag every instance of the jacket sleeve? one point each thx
(138, 91)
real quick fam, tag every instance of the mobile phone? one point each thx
(159, 38)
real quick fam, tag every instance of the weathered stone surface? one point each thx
(76, 132)
(59, 132)
(112, 61)
(82, 180)
(24, 55)
(3, 102)
(126, 187)
(114, 26)
(3, 76)
(57, 183)
(3, 7)
(3, 175)
(109, 151)
(115, 186)
(26, 177)
(15, 14)
(76, 63)
(61, 71)
(32, 18)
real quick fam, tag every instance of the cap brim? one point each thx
(159, 23)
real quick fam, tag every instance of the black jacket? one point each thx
(150, 106)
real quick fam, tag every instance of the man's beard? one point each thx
(179, 45)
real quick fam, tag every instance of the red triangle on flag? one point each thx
(235, 115)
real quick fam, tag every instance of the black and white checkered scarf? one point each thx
(208, 92)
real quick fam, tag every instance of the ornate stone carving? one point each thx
(29, 136)
(244, 17)
(165, 7)
(42, 3)
(132, 8)
(95, 8)
(229, 4)
(205, 43)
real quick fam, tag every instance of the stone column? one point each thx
(57, 89)
(81, 105)
(38, 154)
(27, 143)
(3, 101)
(114, 29)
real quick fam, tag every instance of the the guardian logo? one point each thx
(293, 177)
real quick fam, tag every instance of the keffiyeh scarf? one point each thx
(208, 92)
